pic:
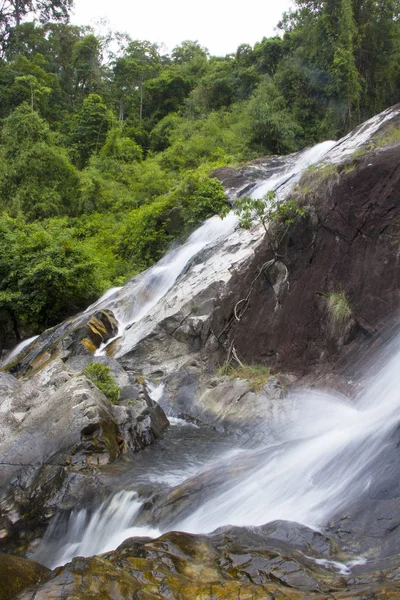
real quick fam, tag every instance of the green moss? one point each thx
(255, 375)
(392, 136)
(16, 574)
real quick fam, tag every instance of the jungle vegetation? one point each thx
(107, 144)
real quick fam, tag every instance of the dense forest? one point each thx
(107, 144)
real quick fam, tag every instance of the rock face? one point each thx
(80, 336)
(348, 245)
(225, 403)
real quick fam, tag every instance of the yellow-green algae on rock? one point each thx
(222, 566)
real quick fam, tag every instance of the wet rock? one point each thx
(79, 336)
(17, 574)
(72, 429)
(140, 420)
(233, 563)
(57, 430)
(101, 327)
(225, 403)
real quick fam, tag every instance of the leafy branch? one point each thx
(266, 211)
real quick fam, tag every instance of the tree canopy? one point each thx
(106, 155)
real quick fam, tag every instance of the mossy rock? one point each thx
(16, 574)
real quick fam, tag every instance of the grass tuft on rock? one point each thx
(255, 375)
(339, 309)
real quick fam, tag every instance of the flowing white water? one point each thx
(327, 446)
(328, 451)
(15, 351)
(107, 528)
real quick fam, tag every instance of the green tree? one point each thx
(37, 179)
(44, 275)
(91, 127)
(141, 61)
(12, 12)
(273, 128)
(86, 62)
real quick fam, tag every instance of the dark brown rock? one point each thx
(349, 244)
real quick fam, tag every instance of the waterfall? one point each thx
(327, 452)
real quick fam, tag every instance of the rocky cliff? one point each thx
(346, 250)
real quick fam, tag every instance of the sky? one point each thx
(219, 25)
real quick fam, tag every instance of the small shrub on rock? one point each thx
(100, 375)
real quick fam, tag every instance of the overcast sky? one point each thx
(218, 25)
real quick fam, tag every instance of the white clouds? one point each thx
(220, 25)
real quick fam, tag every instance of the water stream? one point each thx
(322, 457)
(325, 455)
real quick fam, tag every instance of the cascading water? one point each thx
(324, 455)
(136, 306)
(327, 452)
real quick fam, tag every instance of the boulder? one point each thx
(17, 574)
(57, 430)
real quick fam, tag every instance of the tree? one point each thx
(12, 12)
(273, 128)
(141, 61)
(32, 83)
(346, 77)
(268, 211)
(44, 274)
(91, 128)
(37, 179)
(86, 62)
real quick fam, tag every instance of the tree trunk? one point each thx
(14, 321)
(141, 99)
(17, 12)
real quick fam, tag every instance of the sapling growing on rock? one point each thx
(266, 211)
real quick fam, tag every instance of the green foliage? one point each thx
(145, 236)
(202, 198)
(273, 128)
(267, 210)
(100, 375)
(37, 179)
(255, 375)
(339, 309)
(44, 274)
(91, 128)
